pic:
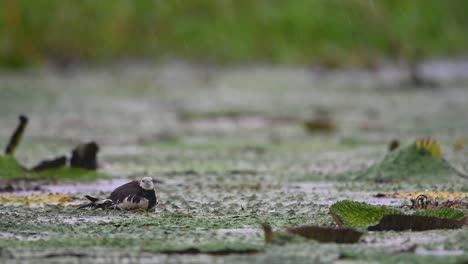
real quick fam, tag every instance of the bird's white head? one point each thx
(147, 183)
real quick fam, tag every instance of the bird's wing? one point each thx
(124, 191)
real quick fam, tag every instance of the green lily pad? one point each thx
(357, 214)
(400, 222)
(10, 168)
(411, 163)
(448, 213)
(362, 215)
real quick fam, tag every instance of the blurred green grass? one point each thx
(329, 32)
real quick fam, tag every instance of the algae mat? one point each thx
(230, 151)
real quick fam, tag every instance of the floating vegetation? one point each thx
(36, 199)
(218, 249)
(400, 222)
(429, 145)
(356, 214)
(318, 233)
(82, 164)
(321, 121)
(10, 168)
(420, 161)
(320, 125)
(394, 144)
(50, 164)
(448, 213)
(359, 215)
(326, 234)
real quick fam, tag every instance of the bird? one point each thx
(134, 195)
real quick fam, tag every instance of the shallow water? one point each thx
(231, 153)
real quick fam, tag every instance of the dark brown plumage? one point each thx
(130, 196)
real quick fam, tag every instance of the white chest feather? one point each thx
(129, 203)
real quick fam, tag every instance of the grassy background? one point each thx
(330, 32)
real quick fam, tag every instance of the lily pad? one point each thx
(447, 213)
(323, 234)
(420, 161)
(10, 168)
(356, 214)
(326, 234)
(220, 248)
(399, 222)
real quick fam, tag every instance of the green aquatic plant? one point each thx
(448, 213)
(420, 161)
(357, 214)
(361, 215)
(10, 168)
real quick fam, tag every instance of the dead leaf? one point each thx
(400, 222)
(36, 199)
(326, 234)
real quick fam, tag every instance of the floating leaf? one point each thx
(276, 237)
(448, 213)
(399, 222)
(326, 234)
(10, 168)
(319, 233)
(320, 125)
(219, 249)
(420, 161)
(36, 199)
(50, 164)
(356, 214)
